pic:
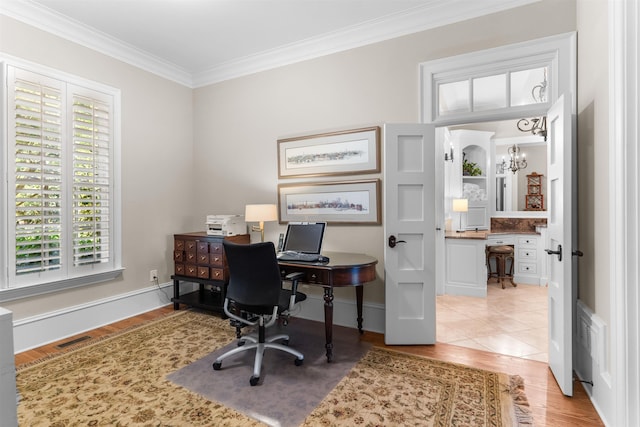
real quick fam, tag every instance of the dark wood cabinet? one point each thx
(534, 199)
(199, 258)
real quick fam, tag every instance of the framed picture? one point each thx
(336, 153)
(349, 202)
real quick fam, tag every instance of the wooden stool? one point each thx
(501, 254)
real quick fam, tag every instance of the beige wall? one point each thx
(593, 156)
(157, 160)
(238, 122)
(184, 158)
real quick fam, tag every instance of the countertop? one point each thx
(482, 234)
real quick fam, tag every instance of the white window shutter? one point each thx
(92, 137)
(36, 142)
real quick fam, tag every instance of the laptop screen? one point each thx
(305, 237)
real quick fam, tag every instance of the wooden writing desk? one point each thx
(344, 269)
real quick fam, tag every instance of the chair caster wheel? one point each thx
(217, 366)
(254, 380)
(299, 362)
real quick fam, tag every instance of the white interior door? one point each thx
(561, 292)
(409, 219)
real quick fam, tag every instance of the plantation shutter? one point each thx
(92, 136)
(60, 179)
(37, 105)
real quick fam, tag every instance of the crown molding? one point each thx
(435, 13)
(52, 22)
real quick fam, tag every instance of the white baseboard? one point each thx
(591, 360)
(345, 313)
(53, 326)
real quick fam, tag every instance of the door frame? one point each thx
(559, 52)
(624, 96)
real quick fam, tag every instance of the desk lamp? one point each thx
(260, 214)
(461, 206)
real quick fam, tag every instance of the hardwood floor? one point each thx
(549, 406)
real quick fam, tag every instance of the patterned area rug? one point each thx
(121, 380)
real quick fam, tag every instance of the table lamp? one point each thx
(460, 206)
(260, 214)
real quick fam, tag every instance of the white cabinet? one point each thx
(465, 267)
(8, 393)
(467, 177)
(529, 262)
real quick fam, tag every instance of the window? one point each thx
(62, 227)
(519, 80)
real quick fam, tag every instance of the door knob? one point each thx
(393, 241)
(558, 252)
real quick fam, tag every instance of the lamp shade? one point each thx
(260, 213)
(460, 205)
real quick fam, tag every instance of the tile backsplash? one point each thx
(523, 225)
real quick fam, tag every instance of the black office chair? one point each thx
(255, 296)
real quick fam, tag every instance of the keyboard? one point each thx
(298, 256)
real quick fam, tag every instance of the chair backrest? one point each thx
(254, 274)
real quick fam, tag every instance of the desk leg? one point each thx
(328, 321)
(359, 297)
(176, 294)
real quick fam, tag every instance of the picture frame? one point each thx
(346, 152)
(347, 202)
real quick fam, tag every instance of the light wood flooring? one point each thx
(549, 406)
(511, 321)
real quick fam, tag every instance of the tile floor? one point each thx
(510, 321)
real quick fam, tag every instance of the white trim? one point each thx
(53, 326)
(624, 97)
(344, 312)
(432, 15)
(559, 51)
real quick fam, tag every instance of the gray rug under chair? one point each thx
(286, 393)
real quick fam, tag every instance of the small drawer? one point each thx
(215, 248)
(203, 258)
(203, 247)
(203, 272)
(316, 276)
(190, 245)
(191, 270)
(178, 256)
(216, 260)
(530, 242)
(527, 268)
(180, 269)
(501, 241)
(191, 256)
(178, 245)
(525, 253)
(217, 274)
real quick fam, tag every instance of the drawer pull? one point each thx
(313, 277)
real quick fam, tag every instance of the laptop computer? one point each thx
(303, 242)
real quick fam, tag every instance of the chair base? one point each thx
(260, 347)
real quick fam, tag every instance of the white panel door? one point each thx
(561, 294)
(410, 220)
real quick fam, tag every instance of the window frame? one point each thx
(552, 52)
(83, 276)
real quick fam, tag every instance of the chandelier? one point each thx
(537, 125)
(515, 163)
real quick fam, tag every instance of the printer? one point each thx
(226, 225)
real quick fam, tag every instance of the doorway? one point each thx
(511, 321)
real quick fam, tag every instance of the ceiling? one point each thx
(199, 42)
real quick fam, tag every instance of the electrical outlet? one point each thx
(153, 275)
